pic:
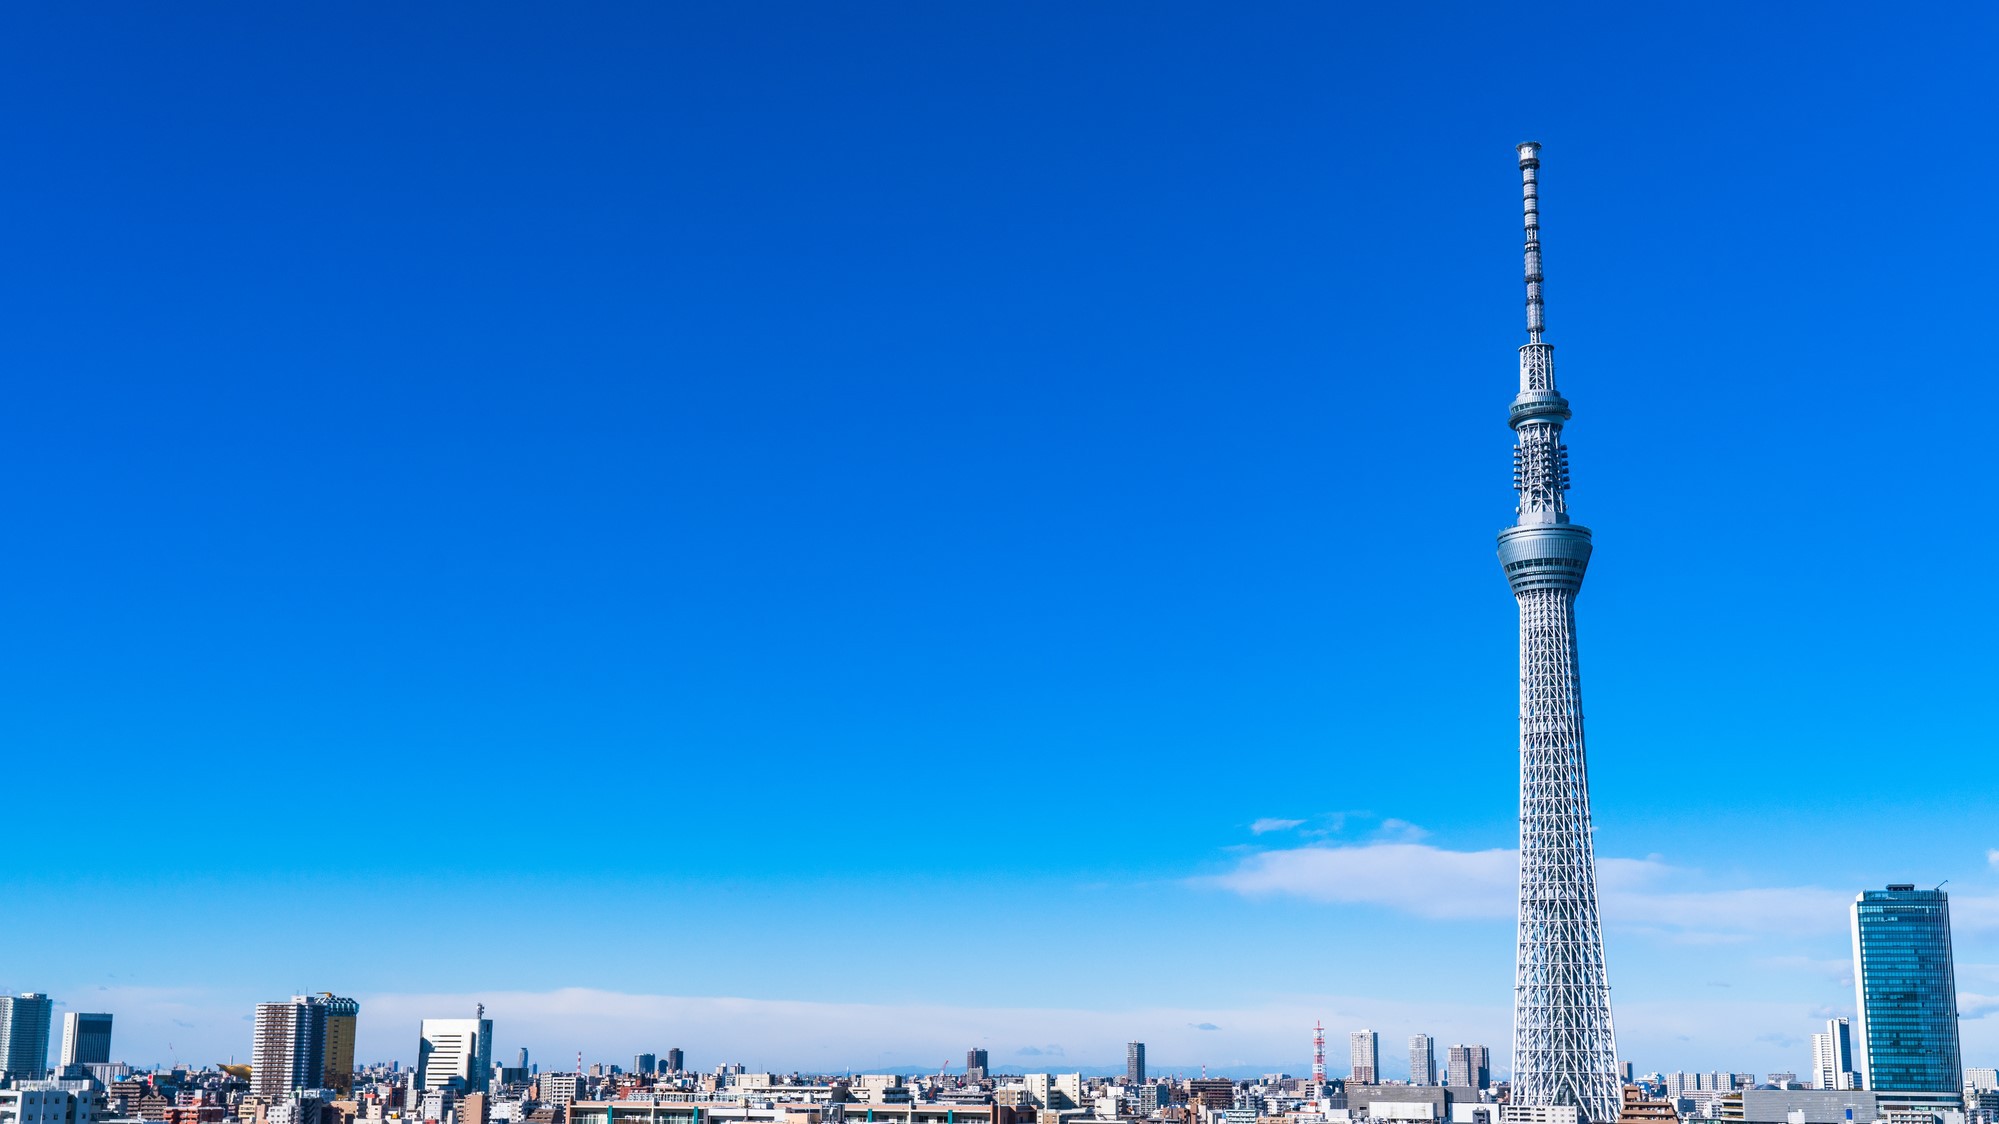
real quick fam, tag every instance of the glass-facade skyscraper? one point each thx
(1906, 991)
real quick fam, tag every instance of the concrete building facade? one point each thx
(1422, 1060)
(455, 1053)
(1364, 1053)
(24, 1035)
(288, 1047)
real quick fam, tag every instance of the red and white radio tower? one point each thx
(1319, 1053)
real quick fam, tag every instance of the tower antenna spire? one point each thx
(1530, 206)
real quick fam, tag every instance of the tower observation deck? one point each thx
(1564, 1049)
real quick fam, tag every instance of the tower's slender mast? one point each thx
(1564, 1048)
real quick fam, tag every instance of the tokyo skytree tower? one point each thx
(1564, 1052)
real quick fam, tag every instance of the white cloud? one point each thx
(1971, 1006)
(1411, 877)
(1646, 895)
(1268, 824)
(1402, 831)
(1971, 913)
(1992, 858)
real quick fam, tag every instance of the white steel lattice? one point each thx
(1564, 1047)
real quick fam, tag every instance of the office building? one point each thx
(557, 1088)
(676, 1062)
(1812, 1106)
(1364, 1050)
(341, 1017)
(977, 1064)
(288, 1047)
(1134, 1063)
(86, 1039)
(1211, 1092)
(24, 1035)
(1468, 1067)
(1906, 990)
(1832, 1057)
(1055, 1091)
(1422, 1060)
(1982, 1078)
(512, 1078)
(1564, 1051)
(47, 1102)
(645, 1063)
(455, 1053)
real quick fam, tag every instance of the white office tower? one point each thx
(1832, 1056)
(1564, 1050)
(455, 1050)
(1365, 1054)
(1422, 1060)
(86, 1038)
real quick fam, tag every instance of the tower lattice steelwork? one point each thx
(1564, 1052)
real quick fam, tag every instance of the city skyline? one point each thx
(813, 427)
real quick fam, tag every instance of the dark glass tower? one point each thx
(1906, 988)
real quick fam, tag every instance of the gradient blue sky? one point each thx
(825, 535)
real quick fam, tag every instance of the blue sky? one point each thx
(829, 535)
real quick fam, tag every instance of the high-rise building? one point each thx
(1564, 1049)
(86, 1038)
(676, 1062)
(1468, 1067)
(1906, 989)
(341, 1017)
(977, 1064)
(1422, 1060)
(455, 1051)
(1134, 1063)
(1364, 1051)
(288, 1047)
(558, 1088)
(24, 1035)
(1832, 1057)
(645, 1063)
